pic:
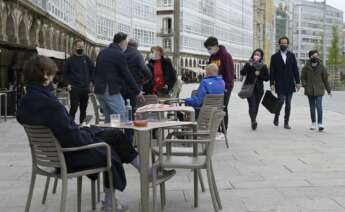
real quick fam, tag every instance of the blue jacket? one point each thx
(40, 107)
(112, 71)
(209, 85)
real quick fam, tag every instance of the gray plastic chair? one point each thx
(195, 162)
(47, 155)
(96, 109)
(202, 131)
(217, 100)
(149, 99)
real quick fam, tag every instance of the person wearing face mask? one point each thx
(223, 59)
(315, 82)
(111, 73)
(162, 71)
(284, 78)
(78, 75)
(256, 72)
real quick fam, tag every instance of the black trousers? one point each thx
(286, 98)
(120, 144)
(79, 97)
(227, 95)
(254, 103)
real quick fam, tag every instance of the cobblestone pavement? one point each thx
(268, 170)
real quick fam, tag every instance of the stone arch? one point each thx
(17, 16)
(181, 62)
(44, 33)
(194, 63)
(190, 62)
(186, 62)
(34, 33)
(10, 31)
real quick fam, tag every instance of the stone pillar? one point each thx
(44, 33)
(38, 26)
(50, 37)
(17, 15)
(3, 17)
(27, 18)
(56, 40)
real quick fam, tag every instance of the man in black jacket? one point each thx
(111, 72)
(138, 69)
(284, 78)
(78, 74)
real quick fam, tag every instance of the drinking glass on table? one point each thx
(115, 120)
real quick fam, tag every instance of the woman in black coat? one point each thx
(163, 73)
(40, 107)
(256, 72)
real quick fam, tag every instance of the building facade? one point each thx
(183, 27)
(313, 22)
(264, 27)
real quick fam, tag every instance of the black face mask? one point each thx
(314, 60)
(283, 48)
(79, 51)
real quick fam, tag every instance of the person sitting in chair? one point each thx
(40, 107)
(211, 84)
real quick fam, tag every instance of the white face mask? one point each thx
(212, 50)
(256, 58)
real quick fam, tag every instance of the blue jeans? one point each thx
(112, 104)
(315, 103)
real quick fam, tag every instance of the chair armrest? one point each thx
(206, 132)
(92, 146)
(193, 141)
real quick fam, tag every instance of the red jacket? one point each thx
(225, 64)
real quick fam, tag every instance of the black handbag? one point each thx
(247, 90)
(271, 103)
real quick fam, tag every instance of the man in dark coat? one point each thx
(284, 78)
(223, 59)
(78, 74)
(138, 69)
(111, 71)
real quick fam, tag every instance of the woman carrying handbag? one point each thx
(255, 73)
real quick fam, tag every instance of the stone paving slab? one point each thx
(269, 170)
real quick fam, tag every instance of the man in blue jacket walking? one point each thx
(111, 73)
(211, 84)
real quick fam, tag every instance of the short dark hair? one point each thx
(120, 36)
(311, 52)
(133, 43)
(37, 67)
(78, 40)
(258, 50)
(284, 38)
(211, 41)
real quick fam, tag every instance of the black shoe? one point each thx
(287, 126)
(276, 120)
(254, 125)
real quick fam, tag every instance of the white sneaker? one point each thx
(313, 126)
(321, 127)
(106, 206)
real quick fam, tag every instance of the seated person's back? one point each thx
(211, 84)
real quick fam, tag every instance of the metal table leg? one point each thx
(144, 150)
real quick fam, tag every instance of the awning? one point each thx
(52, 53)
(196, 70)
